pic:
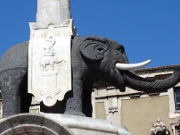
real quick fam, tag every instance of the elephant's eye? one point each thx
(100, 49)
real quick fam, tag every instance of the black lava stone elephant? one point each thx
(93, 59)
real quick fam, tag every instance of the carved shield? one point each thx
(49, 70)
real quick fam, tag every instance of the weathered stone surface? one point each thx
(80, 125)
(26, 124)
(15, 57)
(50, 52)
(56, 124)
(53, 12)
(50, 63)
(13, 87)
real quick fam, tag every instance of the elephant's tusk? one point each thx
(122, 66)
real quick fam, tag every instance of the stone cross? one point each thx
(49, 71)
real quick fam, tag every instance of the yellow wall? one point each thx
(139, 114)
(100, 110)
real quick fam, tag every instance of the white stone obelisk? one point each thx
(49, 71)
(53, 11)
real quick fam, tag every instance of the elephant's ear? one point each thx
(93, 48)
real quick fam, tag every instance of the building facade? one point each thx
(136, 110)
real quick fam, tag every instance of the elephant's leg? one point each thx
(11, 91)
(74, 104)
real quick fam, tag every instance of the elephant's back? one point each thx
(15, 57)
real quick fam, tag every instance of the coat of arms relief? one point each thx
(49, 65)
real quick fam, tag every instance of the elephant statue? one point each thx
(93, 59)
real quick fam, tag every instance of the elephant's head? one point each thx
(112, 62)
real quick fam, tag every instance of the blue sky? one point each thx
(149, 29)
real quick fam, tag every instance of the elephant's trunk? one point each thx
(133, 81)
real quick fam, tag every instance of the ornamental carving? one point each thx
(49, 59)
(159, 128)
(49, 65)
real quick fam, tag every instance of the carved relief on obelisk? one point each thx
(49, 72)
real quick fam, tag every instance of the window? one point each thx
(177, 97)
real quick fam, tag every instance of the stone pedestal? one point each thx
(56, 124)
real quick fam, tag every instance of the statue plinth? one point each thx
(58, 124)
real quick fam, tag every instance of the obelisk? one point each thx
(49, 71)
(53, 11)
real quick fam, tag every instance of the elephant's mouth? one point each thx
(119, 69)
(126, 66)
(142, 84)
